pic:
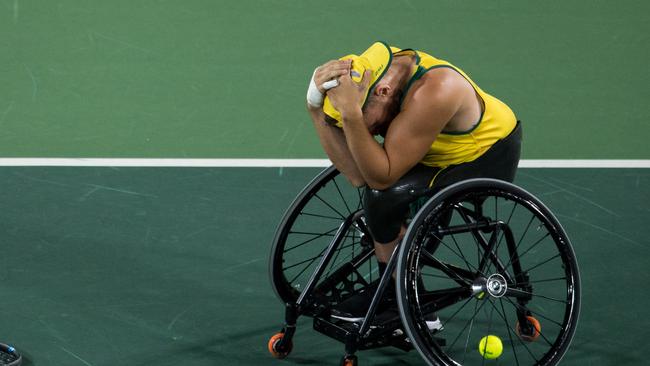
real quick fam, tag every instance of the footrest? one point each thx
(339, 331)
(375, 338)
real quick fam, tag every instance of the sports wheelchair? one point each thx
(483, 256)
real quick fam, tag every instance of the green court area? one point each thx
(168, 266)
(227, 79)
(142, 266)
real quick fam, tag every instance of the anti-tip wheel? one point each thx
(277, 349)
(349, 361)
(534, 328)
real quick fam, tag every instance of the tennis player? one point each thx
(438, 128)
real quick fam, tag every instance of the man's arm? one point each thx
(335, 146)
(430, 106)
(331, 137)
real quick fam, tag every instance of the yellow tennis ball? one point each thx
(490, 347)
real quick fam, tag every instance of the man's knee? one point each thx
(386, 211)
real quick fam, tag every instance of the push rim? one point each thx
(447, 274)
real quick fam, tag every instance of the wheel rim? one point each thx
(475, 297)
(307, 229)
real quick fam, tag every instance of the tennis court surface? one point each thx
(161, 266)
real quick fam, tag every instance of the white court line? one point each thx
(584, 163)
(276, 163)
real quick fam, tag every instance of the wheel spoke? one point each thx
(330, 206)
(488, 253)
(457, 311)
(333, 262)
(544, 280)
(520, 341)
(536, 313)
(316, 257)
(489, 328)
(457, 254)
(360, 194)
(518, 293)
(342, 197)
(531, 247)
(541, 334)
(544, 262)
(311, 259)
(476, 310)
(318, 236)
(459, 208)
(496, 250)
(439, 256)
(320, 216)
(462, 254)
(532, 217)
(512, 343)
(345, 258)
(435, 263)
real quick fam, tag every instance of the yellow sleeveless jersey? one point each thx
(452, 148)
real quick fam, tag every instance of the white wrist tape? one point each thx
(330, 84)
(314, 96)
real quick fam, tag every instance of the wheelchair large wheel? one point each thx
(326, 205)
(488, 258)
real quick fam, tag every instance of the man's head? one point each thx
(377, 58)
(381, 106)
(382, 102)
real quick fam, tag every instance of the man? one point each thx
(438, 128)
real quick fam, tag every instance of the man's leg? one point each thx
(386, 210)
(385, 213)
(383, 251)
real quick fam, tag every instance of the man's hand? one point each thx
(332, 138)
(349, 96)
(331, 70)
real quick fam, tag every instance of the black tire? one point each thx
(306, 230)
(527, 269)
(9, 356)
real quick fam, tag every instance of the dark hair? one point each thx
(330, 121)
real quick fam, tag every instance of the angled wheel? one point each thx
(488, 258)
(530, 331)
(306, 230)
(349, 361)
(277, 348)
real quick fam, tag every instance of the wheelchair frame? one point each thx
(403, 331)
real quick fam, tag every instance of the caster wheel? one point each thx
(536, 329)
(349, 361)
(278, 350)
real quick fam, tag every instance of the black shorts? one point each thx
(387, 209)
